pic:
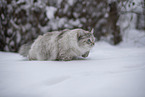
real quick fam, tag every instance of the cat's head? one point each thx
(87, 40)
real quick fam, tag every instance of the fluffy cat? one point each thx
(60, 45)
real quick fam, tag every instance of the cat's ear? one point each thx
(92, 31)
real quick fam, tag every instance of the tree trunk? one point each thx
(113, 28)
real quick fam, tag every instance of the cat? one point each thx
(60, 45)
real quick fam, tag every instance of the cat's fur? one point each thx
(60, 45)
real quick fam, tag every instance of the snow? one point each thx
(71, 2)
(50, 12)
(109, 71)
(133, 38)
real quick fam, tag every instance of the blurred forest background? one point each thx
(21, 21)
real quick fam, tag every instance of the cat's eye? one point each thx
(89, 41)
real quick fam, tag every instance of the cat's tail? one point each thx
(24, 49)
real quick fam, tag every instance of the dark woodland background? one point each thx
(21, 21)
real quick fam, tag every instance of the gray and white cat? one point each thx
(60, 45)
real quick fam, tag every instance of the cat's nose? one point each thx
(92, 43)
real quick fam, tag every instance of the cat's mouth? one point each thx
(92, 44)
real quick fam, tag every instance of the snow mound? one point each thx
(133, 38)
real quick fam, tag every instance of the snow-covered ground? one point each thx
(109, 71)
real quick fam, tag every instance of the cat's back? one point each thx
(44, 47)
(50, 35)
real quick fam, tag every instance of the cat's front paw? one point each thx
(86, 54)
